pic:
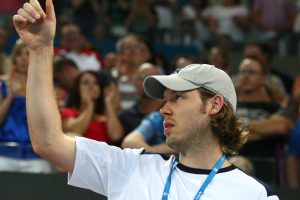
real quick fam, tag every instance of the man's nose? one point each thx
(165, 109)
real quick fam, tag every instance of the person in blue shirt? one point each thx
(149, 135)
(16, 153)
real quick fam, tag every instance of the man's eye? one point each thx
(177, 97)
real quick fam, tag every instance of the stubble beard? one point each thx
(194, 138)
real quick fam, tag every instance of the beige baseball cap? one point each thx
(191, 77)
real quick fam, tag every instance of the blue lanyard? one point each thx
(209, 178)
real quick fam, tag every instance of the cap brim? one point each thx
(155, 86)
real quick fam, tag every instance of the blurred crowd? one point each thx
(101, 96)
(201, 23)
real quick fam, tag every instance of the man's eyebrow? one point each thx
(172, 94)
(180, 92)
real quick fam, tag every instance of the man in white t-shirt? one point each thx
(199, 122)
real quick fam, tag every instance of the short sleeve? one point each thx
(102, 168)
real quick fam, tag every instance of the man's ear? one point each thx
(217, 102)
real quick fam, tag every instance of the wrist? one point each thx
(44, 49)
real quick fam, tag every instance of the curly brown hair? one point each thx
(225, 125)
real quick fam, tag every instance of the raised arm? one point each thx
(37, 29)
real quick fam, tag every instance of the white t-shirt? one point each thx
(133, 174)
(225, 17)
(85, 60)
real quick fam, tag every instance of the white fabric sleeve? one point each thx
(102, 168)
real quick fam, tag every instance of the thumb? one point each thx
(50, 10)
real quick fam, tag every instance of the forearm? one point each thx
(79, 124)
(278, 125)
(135, 140)
(4, 107)
(252, 136)
(43, 116)
(115, 129)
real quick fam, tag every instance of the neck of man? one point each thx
(204, 156)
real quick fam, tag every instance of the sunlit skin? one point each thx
(186, 125)
(185, 119)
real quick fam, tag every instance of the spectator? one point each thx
(65, 74)
(273, 82)
(146, 52)
(268, 123)
(86, 9)
(142, 19)
(192, 28)
(218, 57)
(86, 13)
(110, 84)
(16, 153)
(149, 134)
(195, 108)
(165, 21)
(110, 60)
(182, 60)
(90, 111)
(73, 47)
(292, 169)
(292, 161)
(161, 61)
(227, 22)
(274, 19)
(130, 118)
(116, 14)
(128, 61)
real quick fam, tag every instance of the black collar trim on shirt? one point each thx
(203, 171)
(165, 157)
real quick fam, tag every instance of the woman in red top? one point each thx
(90, 111)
